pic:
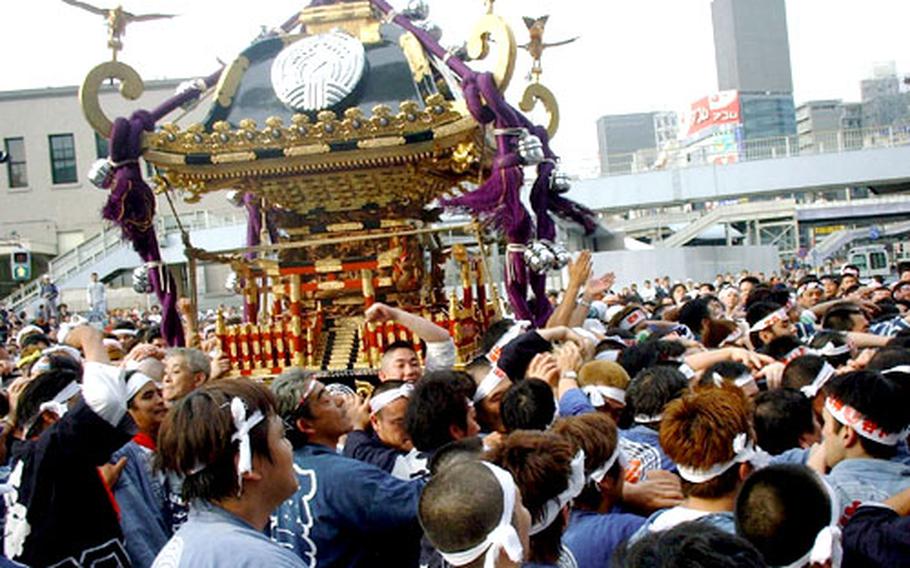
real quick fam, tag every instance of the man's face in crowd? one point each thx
(880, 294)
(848, 281)
(902, 291)
(745, 288)
(488, 408)
(388, 424)
(178, 381)
(329, 413)
(402, 365)
(147, 408)
(811, 297)
(830, 287)
(278, 476)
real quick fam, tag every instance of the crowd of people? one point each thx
(747, 421)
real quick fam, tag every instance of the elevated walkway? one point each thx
(106, 253)
(838, 240)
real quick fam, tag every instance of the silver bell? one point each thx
(559, 183)
(530, 148)
(101, 174)
(417, 10)
(562, 256)
(141, 282)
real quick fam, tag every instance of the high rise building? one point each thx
(752, 52)
(751, 46)
(828, 125)
(886, 101)
(621, 138)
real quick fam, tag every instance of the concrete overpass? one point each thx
(882, 168)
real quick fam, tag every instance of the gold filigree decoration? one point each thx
(493, 29)
(537, 92)
(230, 80)
(413, 52)
(131, 88)
(302, 133)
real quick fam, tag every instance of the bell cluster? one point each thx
(541, 256)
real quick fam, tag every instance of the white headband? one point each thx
(827, 545)
(734, 336)
(796, 353)
(503, 537)
(598, 394)
(774, 317)
(820, 380)
(520, 327)
(26, 331)
(809, 286)
(386, 398)
(740, 381)
(598, 474)
(135, 383)
(552, 507)
(243, 424)
(611, 355)
(904, 369)
(849, 416)
(829, 350)
(57, 405)
(71, 351)
(647, 419)
(632, 319)
(489, 383)
(743, 451)
(122, 331)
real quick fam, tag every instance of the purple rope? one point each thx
(131, 203)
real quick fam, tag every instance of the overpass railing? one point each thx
(721, 151)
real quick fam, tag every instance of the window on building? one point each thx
(63, 158)
(15, 167)
(102, 148)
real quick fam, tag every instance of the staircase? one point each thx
(752, 211)
(91, 252)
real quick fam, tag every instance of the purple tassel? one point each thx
(131, 206)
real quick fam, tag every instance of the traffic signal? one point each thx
(21, 264)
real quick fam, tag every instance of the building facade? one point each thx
(49, 206)
(626, 142)
(752, 53)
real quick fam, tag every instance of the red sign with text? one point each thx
(719, 109)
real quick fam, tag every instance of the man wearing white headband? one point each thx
(379, 436)
(62, 438)
(708, 435)
(865, 417)
(145, 496)
(790, 515)
(228, 443)
(492, 384)
(346, 512)
(768, 321)
(548, 475)
(400, 361)
(472, 513)
(595, 530)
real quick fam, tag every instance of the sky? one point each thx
(631, 55)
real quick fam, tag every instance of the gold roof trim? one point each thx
(327, 129)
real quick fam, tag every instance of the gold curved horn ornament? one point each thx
(537, 92)
(131, 88)
(492, 27)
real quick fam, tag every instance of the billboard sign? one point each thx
(720, 111)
